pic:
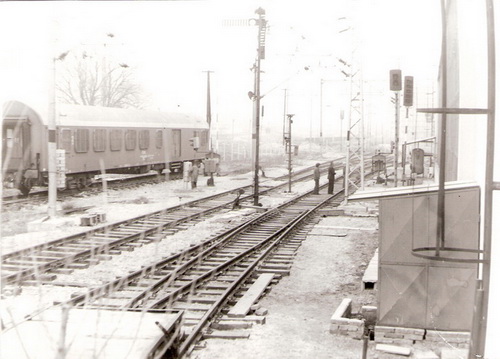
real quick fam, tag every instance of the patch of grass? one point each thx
(67, 205)
(140, 200)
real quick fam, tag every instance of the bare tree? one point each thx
(85, 80)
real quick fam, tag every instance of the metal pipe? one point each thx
(442, 149)
(396, 140)
(476, 321)
(489, 184)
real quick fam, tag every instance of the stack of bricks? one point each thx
(396, 335)
(342, 324)
(404, 336)
(92, 219)
(455, 339)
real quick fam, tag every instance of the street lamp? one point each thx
(255, 96)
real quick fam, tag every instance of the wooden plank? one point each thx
(371, 273)
(254, 292)
(224, 334)
(393, 349)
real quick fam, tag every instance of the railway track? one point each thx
(205, 281)
(41, 263)
(40, 196)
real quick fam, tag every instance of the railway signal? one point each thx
(395, 80)
(408, 92)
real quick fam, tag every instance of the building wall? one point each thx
(468, 84)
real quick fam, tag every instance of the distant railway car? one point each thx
(92, 138)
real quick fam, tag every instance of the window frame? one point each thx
(99, 139)
(130, 140)
(159, 139)
(82, 137)
(144, 139)
(116, 140)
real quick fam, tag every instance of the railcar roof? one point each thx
(77, 115)
(405, 191)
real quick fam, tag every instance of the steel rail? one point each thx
(165, 211)
(98, 249)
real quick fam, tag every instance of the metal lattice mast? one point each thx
(354, 168)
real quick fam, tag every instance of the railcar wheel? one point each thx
(81, 183)
(25, 186)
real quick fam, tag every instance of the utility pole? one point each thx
(287, 136)
(261, 22)
(321, 114)
(209, 109)
(210, 182)
(51, 150)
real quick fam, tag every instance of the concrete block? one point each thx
(261, 312)
(334, 328)
(415, 331)
(414, 337)
(230, 325)
(424, 354)
(88, 220)
(368, 309)
(382, 329)
(342, 321)
(343, 310)
(101, 217)
(394, 335)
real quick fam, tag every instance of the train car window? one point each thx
(159, 139)
(144, 139)
(176, 140)
(82, 140)
(115, 140)
(130, 140)
(14, 142)
(66, 140)
(99, 140)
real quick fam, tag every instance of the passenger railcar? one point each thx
(94, 138)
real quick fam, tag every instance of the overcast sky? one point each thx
(169, 44)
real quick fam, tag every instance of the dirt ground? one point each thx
(326, 270)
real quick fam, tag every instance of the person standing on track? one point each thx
(331, 178)
(194, 175)
(316, 179)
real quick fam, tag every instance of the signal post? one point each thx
(395, 85)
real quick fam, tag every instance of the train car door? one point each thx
(16, 154)
(176, 141)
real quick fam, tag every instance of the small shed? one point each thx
(415, 289)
